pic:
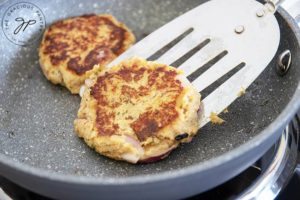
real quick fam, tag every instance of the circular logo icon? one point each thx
(23, 23)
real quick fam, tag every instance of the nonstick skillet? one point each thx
(40, 151)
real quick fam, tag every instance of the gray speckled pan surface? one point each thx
(36, 117)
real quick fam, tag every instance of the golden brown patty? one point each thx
(71, 48)
(138, 111)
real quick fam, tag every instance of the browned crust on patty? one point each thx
(161, 79)
(77, 44)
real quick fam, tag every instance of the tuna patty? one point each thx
(138, 111)
(71, 48)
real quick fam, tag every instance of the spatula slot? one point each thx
(165, 48)
(223, 79)
(206, 66)
(189, 54)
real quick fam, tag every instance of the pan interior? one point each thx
(36, 117)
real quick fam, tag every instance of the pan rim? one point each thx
(283, 118)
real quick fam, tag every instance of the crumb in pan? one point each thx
(215, 119)
(242, 92)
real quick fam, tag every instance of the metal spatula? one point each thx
(242, 33)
